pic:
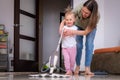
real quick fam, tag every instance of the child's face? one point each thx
(69, 20)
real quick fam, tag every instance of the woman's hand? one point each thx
(68, 32)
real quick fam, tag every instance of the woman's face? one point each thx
(85, 12)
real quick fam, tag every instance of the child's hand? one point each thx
(60, 32)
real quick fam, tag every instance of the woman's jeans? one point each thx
(89, 45)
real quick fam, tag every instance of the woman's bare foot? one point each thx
(77, 70)
(88, 72)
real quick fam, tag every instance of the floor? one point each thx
(26, 76)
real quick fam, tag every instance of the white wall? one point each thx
(112, 23)
(7, 17)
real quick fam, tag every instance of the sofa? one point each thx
(106, 60)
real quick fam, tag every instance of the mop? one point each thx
(52, 64)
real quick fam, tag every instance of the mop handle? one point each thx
(60, 39)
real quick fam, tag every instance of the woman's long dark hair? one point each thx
(93, 7)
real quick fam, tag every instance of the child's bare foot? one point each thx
(87, 71)
(77, 70)
(68, 73)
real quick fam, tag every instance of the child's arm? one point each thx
(61, 26)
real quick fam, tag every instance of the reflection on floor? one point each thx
(25, 76)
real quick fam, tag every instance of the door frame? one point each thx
(25, 63)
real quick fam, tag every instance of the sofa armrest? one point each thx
(106, 50)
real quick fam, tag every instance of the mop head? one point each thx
(54, 75)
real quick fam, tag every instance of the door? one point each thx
(26, 30)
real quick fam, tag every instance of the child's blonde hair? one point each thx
(68, 11)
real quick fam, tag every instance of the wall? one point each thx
(112, 23)
(7, 18)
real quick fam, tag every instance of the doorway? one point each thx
(26, 30)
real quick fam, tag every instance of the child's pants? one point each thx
(69, 58)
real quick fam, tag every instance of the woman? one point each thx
(86, 21)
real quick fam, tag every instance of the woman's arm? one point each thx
(78, 32)
(82, 32)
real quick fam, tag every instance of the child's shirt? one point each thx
(69, 41)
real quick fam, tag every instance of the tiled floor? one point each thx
(25, 76)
